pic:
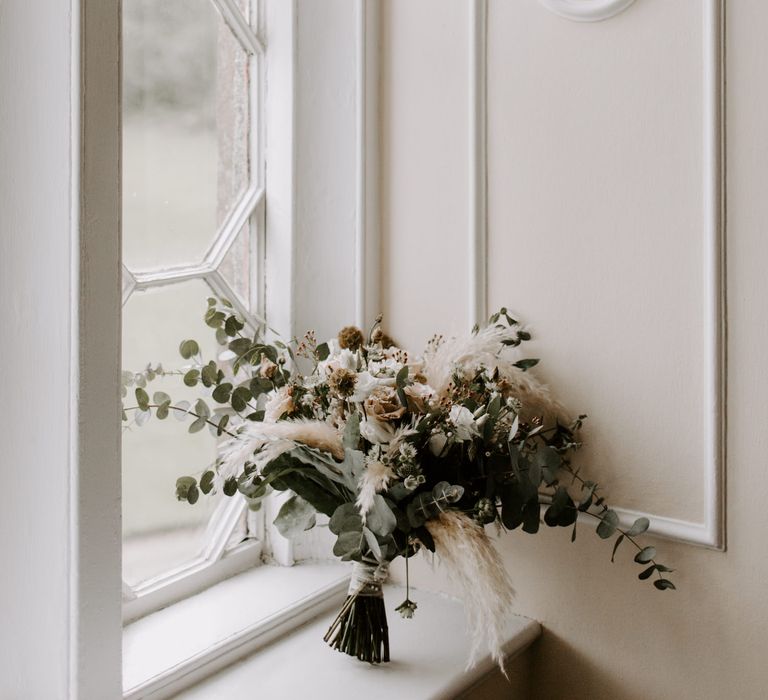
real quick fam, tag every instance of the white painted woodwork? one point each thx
(59, 264)
(587, 10)
(429, 660)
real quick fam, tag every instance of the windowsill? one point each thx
(168, 650)
(429, 656)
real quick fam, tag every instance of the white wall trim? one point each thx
(587, 10)
(280, 177)
(367, 241)
(478, 172)
(711, 532)
(715, 271)
(95, 346)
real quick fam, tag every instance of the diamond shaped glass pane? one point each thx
(159, 532)
(185, 130)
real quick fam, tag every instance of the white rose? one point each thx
(464, 421)
(376, 431)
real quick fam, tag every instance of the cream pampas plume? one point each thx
(272, 439)
(475, 566)
(375, 479)
(486, 349)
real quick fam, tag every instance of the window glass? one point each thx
(189, 142)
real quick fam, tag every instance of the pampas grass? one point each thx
(474, 565)
(270, 440)
(375, 479)
(466, 354)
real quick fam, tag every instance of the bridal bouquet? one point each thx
(402, 452)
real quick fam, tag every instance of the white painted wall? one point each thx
(597, 235)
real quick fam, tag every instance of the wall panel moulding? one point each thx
(710, 532)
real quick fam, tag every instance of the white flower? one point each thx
(462, 418)
(337, 359)
(364, 386)
(408, 451)
(413, 482)
(376, 431)
(384, 368)
(437, 443)
(347, 359)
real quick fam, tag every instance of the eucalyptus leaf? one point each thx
(340, 516)
(525, 365)
(182, 410)
(373, 544)
(142, 417)
(197, 425)
(222, 393)
(294, 517)
(240, 398)
(380, 518)
(142, 398)
(639, 527)
(348, 545)
(607, 526)
(188, 348)
(206, 482)
(183, 485)
(664, 584)
(645, 555)
(192, 377)
(619, 540)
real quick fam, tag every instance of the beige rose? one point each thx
(383, 404)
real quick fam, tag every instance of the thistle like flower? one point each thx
(342, 383)
(351, 338)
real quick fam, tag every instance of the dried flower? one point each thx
(267, 368)
(279, 404)
(351, 338)
(383, 404)
(485, 511)
(342, 382)
(380, 337)
(406, 609)
(413, 482)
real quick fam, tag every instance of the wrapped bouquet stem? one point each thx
(401, 452)
(360, 629)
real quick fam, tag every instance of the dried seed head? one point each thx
(342, 382)
(351, 338)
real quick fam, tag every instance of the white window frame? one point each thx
(61, 195)
(216, 560)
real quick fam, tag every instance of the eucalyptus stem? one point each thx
(604, 510)
(184, 410)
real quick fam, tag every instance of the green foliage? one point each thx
(188, 349)
(295, 516)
